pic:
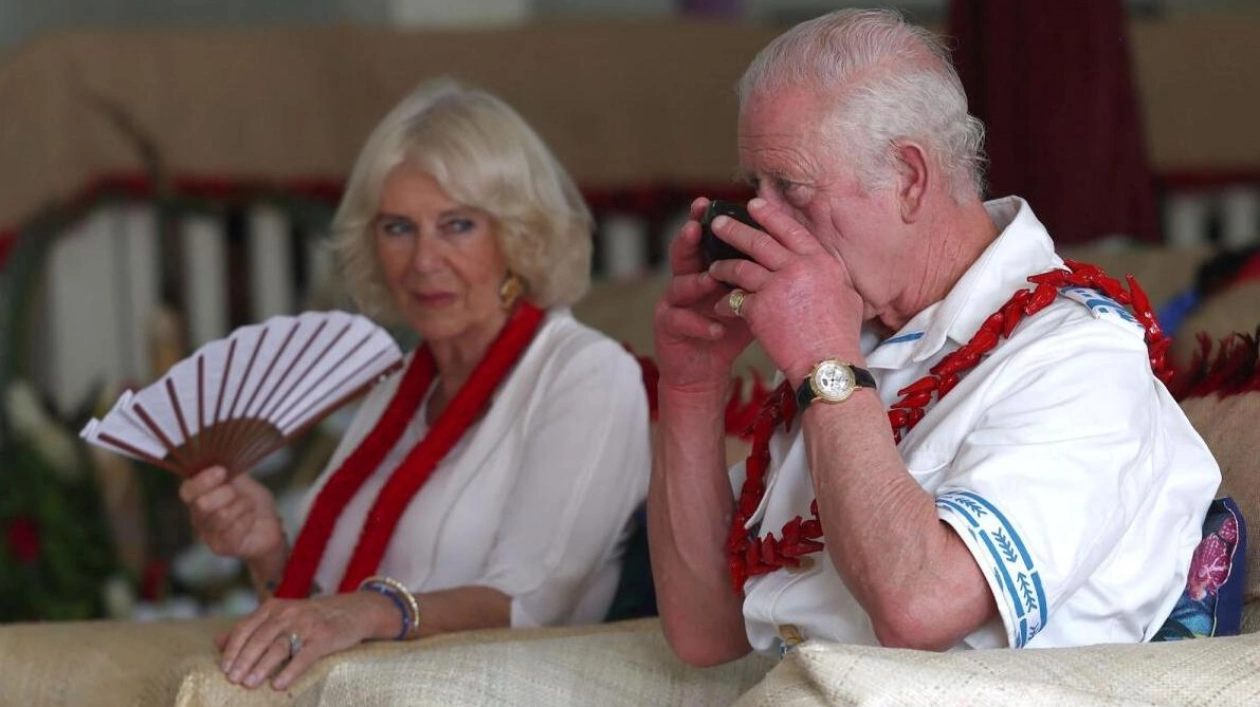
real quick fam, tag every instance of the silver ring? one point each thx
(295, 644)
(735, 300)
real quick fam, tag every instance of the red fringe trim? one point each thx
(1228, 368)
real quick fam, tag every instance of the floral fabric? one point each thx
(1212, 602)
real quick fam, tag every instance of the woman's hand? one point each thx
(235, 517)
(695, 347)
(260, 644)
(801, 304)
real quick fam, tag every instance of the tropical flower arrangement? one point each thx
(55, 548)
(86, 533)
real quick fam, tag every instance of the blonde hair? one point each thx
(890, 81)
(484, 155)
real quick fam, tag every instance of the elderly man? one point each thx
(965, 457)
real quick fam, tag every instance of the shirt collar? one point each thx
(1022, 248)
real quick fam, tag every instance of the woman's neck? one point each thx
(456, 358)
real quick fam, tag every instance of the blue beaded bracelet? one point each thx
(386, 590)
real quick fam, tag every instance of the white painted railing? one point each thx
(102, 290)
(100, 277)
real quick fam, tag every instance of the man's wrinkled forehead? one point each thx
(779, 128)
(787, 111)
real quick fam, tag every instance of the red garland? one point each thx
(419, 464)
(750, 556)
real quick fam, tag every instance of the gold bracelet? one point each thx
(411, 621)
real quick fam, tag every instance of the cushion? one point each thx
(1212, 602)
(132, 664)
(202, 684)
(1250, 614)
(1162, 272)
(113, 663)
(631, 666)
(1217, 671)
(1234, 310)
(1228, 425)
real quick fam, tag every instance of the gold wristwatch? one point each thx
(832, 381)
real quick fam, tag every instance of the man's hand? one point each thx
(801, 304)
(695, 346)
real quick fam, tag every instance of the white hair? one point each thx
(486, 156)
(888, 81)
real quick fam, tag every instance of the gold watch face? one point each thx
(833, 381)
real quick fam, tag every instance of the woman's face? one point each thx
(440, 259)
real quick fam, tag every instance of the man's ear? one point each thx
(913, 176)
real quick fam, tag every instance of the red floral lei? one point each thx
(416, 469)
(750, 556)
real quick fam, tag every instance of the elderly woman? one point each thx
(490, 482)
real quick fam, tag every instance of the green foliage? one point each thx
(55, 548)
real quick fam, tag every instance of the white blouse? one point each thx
(534, 499)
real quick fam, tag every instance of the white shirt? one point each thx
(1060, 460)
(534, 499)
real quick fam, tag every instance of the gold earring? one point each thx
(511, 290)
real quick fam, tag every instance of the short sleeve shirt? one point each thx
(1060, 460)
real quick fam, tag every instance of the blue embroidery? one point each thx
(1008, 589)
(1008, 552)
(1098, 303)
(1025, 590)
(970, 505)
(1011, 566)
(951, 503)
(913, 336)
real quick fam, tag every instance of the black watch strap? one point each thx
(805, 394)
(863, 377)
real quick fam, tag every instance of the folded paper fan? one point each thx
(236, 400)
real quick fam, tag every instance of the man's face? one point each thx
(793, 163)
